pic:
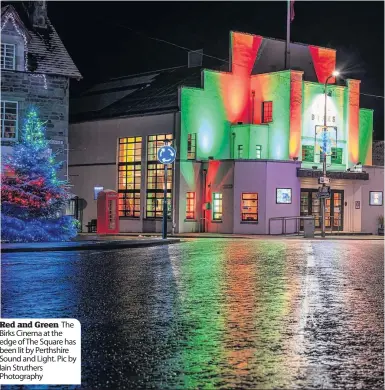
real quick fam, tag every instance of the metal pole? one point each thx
(164, 228)
(323, 200)
(287, 51)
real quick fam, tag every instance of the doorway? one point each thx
(310, 205)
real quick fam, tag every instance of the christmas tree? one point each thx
(32, 196)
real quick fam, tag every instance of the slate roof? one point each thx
(46, 52)
(139, 94)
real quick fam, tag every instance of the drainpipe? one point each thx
(173, 192)
(233, 144)
(203, 223)
(252, 106)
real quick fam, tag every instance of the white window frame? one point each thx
(5, 45)
(2, 107)
(258, 152)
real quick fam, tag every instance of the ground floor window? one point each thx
(129, 204)
(190, 205)
(258, 151)
(217, 206)
(154, 205)
(249, 207)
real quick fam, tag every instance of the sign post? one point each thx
(166, 155)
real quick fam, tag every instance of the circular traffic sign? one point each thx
(166, 154)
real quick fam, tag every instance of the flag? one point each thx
(292, 14)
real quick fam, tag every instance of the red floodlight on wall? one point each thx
(108, 214)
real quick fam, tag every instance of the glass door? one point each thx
(310, 205)
(337, 210)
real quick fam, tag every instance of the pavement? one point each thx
(105, 243)
(214, 314)
(90, 241)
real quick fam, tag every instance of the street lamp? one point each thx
(334, 74)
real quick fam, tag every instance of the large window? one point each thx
(308, 153)
(249, 207)
(217, 206)
(375, 198)
(155, 178)
(7, 56)
(190, 205)
(9, 120)
(191, 146)
(267, 112)
(129, 176)
(258, 152)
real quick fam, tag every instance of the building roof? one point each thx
(144, 93)
(46, 52)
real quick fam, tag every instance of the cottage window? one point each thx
(190, 205)
(8, 59)
(9, 120)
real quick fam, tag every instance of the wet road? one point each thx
(214, 313)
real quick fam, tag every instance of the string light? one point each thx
(9, 15)
(33, 197)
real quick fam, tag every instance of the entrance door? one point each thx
(311, 206)
(334, 208)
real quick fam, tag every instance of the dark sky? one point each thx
(102, 48)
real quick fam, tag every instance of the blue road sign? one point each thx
(166, 154)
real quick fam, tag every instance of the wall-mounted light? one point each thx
(314, 167)
(295, 158)
(211, 158)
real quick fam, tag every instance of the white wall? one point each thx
(371, 213)
(93, 159)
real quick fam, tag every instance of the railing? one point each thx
(298, 219)
(285, 219)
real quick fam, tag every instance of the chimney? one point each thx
(39, 14)
(195, 58)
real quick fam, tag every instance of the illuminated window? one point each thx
(7, 56)
(240, 151)
(308, 153)
(191, 146)
(258, 151)
(129, 204)
(155, 205)
(217, 206)
(267, 112)
(336, 155)
(249, 207)
(96, 191)
(129, 176)
(190, 205)
(155, 178)
(155, 142)
(9, 120)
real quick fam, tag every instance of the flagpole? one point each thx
(288, 22)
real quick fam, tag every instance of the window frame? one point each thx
(190, 205)
(265, 103)
(382, 198)
(152, 147)
(240, 152)
(220, 200)
(276, 195)
(249, 213)
(258, 148)
(2, 118)
(191, 146)
(134, 166)
(2, 66)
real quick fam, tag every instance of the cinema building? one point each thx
(249, 140)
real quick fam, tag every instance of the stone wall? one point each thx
(52, 103)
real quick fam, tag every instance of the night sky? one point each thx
(99, 36)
